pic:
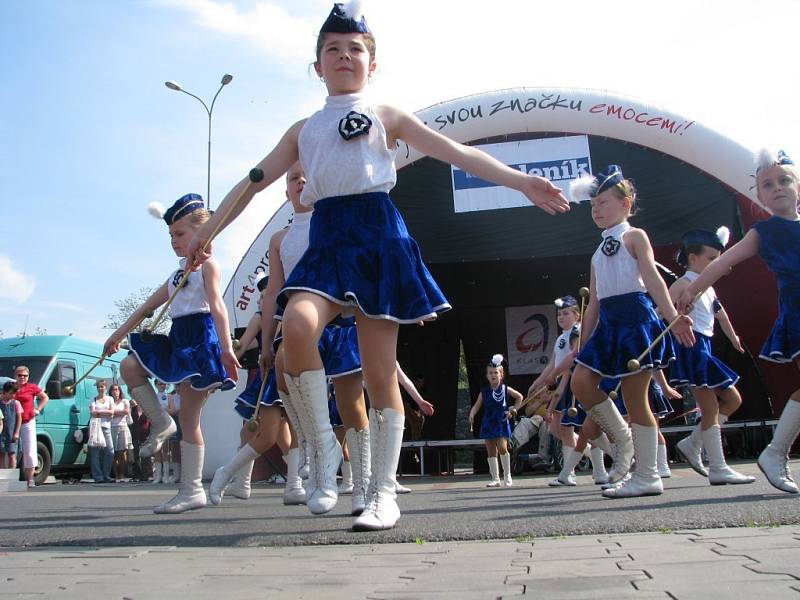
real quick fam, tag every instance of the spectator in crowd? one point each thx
(120, 434)
(101, 457)
(26, 393)
(10, 422)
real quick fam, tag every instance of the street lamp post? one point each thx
(226, 79)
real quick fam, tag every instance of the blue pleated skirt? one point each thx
(190, 352)
(563, 405)
(697, 366)
(783, 343)
(627, 325)
(360, 254)
(245, 403)
(607, 385)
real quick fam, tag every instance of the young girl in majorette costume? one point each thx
(619, 324)
(338, 348)
(559, 369)
(360, 257)
(234, 478)
(197, 355)
(708, 377)
(777, 241)
(495, 428)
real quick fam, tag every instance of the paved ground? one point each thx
(712, 563)
(440, 509)
(461, 541)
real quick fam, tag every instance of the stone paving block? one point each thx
(663, 575)
(564, 587)
(511, 592)
(577, 567)
(774, 561)
(572, 553)
(456, 580)
(758, 542)
(573, 542)
(772, 590)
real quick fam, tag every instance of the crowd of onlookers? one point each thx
(112, 437)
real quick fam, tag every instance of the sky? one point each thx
(89, 134)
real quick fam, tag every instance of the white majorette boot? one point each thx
(691, 449)
(309, 392)
(161, 424)
(386, 439)
(358, 445)
(505, 461)
(494, 472)
(294, 419)
(645, 480)
(599, 473)
(606, 415)
(346, 485)
(293, 492)
(225, 474)
(156, 472)
(165, 478)
(191, 494)
(240, 485)
(662, 461)
(719, 473)
(774, 460)
(567, 475)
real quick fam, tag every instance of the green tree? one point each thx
(128, 305)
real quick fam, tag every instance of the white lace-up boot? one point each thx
(774, 460)
(156, 472)
(386, 439)
(645, 480)
(161, 424)
(505, 461)
(359, 446)
(225, 474)
(719, 473)
(309, 395)
(346, 485)
(191, 494)
(599, 473)
(691, 449)
(567, 475)
(494, 472)
(293, 492)
(606, 415)
(662, 461)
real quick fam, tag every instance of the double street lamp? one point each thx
(226, 79)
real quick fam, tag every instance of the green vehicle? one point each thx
(56, 361)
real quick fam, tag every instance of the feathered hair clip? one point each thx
(766, 158)
(156, 210)
(583, 189)
(353, 9)
(559, 302)
(497, 361)
(723, 235)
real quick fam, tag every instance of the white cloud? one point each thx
(266, 25)
(16, 286)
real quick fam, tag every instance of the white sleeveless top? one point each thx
(562, 348)
(192, 298)
(616, 272)
(295, 242)
(703, 312)
(338, 167)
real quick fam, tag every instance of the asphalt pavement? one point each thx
(439, 509)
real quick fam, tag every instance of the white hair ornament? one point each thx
(497, 360)
(723, 235)
(156, 210)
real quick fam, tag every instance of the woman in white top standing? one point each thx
(120, 434)
(102, 407)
